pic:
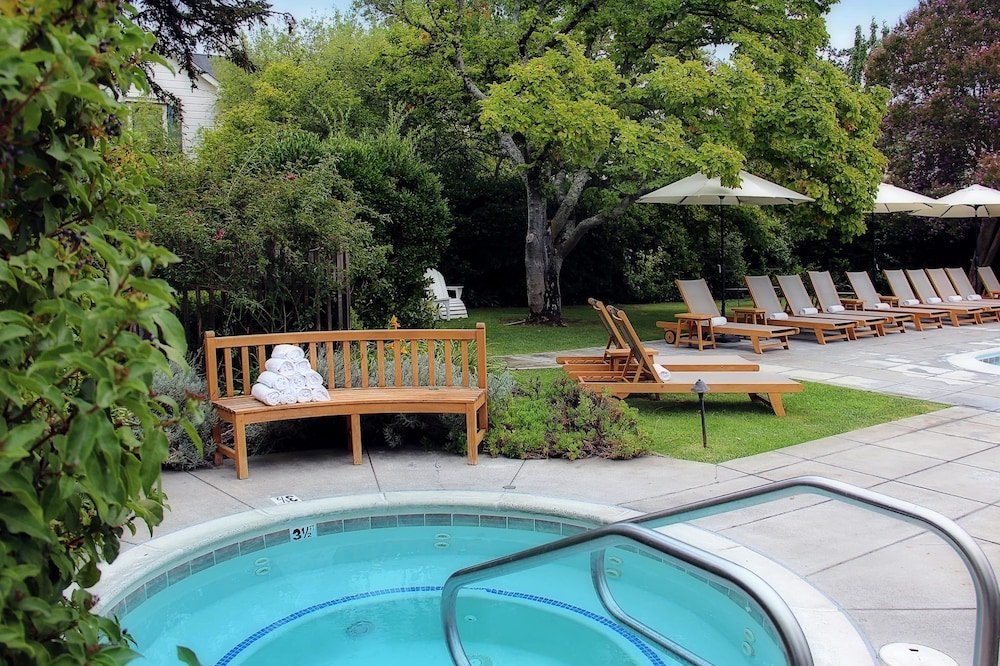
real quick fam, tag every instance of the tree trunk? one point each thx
(542, 261)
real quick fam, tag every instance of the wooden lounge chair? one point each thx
(704, 321)
(801, 304)
(952, 284)
(766, 301)
(647, 379)
(830, 302)
(618, 356)
(902, 290)
(865, 292)
(925, 292)
(616, 352)
(991, 285)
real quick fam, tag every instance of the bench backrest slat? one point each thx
(465, 363)
(352, 358)
(431, 364)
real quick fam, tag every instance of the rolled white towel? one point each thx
(289, 352)
(662, 372)
(289, 396)
(266, 394)
(777, 315)
(303, 394)
(273, 380)
(835, 308)
(910, 301)
(302, 366)
(808, 311)
(973, 297)
(279, 365)
(933, 300)
(320, 394)
(881, 306)
(295, 380)
(313, 379)
(719, 321)
(955, 299)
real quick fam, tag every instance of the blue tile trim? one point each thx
(634, 640)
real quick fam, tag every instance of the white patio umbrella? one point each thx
(892, 199)
(699, 190)
(973, 201)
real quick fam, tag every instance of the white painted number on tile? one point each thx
(285, 499)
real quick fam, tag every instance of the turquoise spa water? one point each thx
(366, 591)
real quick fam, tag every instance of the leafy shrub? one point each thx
(563, 420)
(181, 384)
(85, 327)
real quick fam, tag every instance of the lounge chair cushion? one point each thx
(911, 301)
(719, 321)
(662, 372)
(808, 311)
(835, 308)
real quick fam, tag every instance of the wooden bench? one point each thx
(373, 372)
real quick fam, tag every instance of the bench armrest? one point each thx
(455, 290)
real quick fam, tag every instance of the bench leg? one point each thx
(471, 434)
(217, 438)
(240, 447)
(354, 427)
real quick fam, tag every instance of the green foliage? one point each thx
(85, 327)
(180, 384)
(263, 239)
(563, 420)
(594, 104)
(389, 176)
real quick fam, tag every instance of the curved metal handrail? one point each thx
(793, 640)
(987, 650)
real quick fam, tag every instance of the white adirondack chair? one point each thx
(447, 299)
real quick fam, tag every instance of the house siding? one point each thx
(197, 104)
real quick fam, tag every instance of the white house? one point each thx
(197, 103)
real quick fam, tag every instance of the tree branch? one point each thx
(568, 202)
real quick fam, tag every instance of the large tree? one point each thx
(595, 103)
(942, 131)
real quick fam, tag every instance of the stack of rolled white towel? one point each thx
(288, 378)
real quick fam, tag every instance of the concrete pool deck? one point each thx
(898, 583)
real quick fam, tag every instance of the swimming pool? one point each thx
(986, 361)
(362, 584)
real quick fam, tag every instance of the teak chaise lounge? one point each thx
(766, 301)
(703, 321)
(801, 304)
(616, 352)
(866, 293)
(903, 292)
(618, 356)
(991, 285)
(830, 302)
(918, 282)
(646, 377)
(946, 287)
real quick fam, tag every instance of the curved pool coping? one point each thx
(833, 637)
(970, 361)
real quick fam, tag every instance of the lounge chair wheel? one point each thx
(670, 336)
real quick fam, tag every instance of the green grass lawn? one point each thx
(505, 335)
(736, 427)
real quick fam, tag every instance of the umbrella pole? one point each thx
(722, 255)
(874, 246)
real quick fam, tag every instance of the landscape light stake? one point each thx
(701, 388)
